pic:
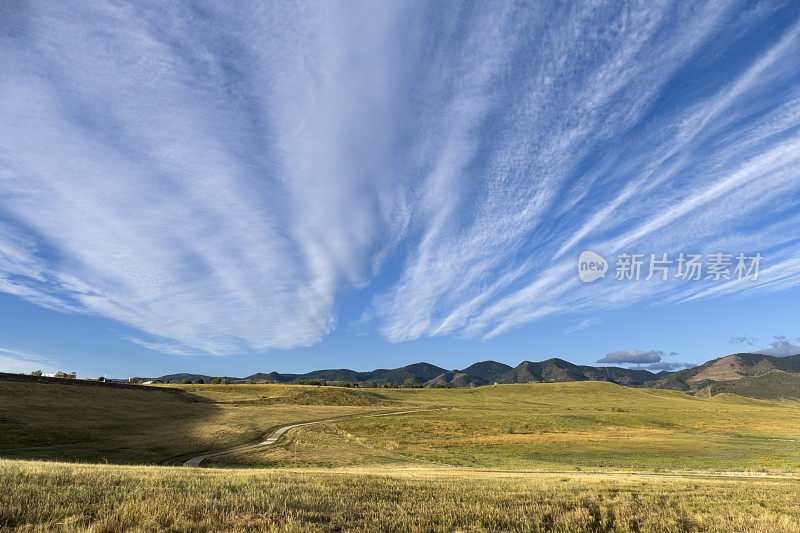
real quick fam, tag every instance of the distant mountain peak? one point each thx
(728, 368)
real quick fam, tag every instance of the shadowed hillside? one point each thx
(151, 424)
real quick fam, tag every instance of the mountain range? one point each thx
(764, 376)
(729, 368)
(428, 375)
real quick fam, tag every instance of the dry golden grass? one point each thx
(94, 424)
(360, 474)
(39, 496)
(555, 426)
(318, 446)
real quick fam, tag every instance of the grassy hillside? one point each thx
(558, 426)
(62, 497)
(77, 423)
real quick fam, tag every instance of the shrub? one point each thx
(36, 373)
(317, 382)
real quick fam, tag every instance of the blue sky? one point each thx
(286, 187)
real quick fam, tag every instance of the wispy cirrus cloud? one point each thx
(24, 362)
(219, 177)
(689, 178)
(209, 177)
(583, 324)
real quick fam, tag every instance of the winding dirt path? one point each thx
(195, 461)
(278, 433)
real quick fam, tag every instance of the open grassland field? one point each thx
(545, 426)
(554, 426)
(39, 496)
(96, 424)
(384, 473)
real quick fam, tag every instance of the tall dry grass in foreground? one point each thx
(44, 496)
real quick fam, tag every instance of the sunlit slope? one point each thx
(555, 426)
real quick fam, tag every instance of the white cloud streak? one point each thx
(212, 182)
(219, 177)
(690, 184)
(15, 361)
